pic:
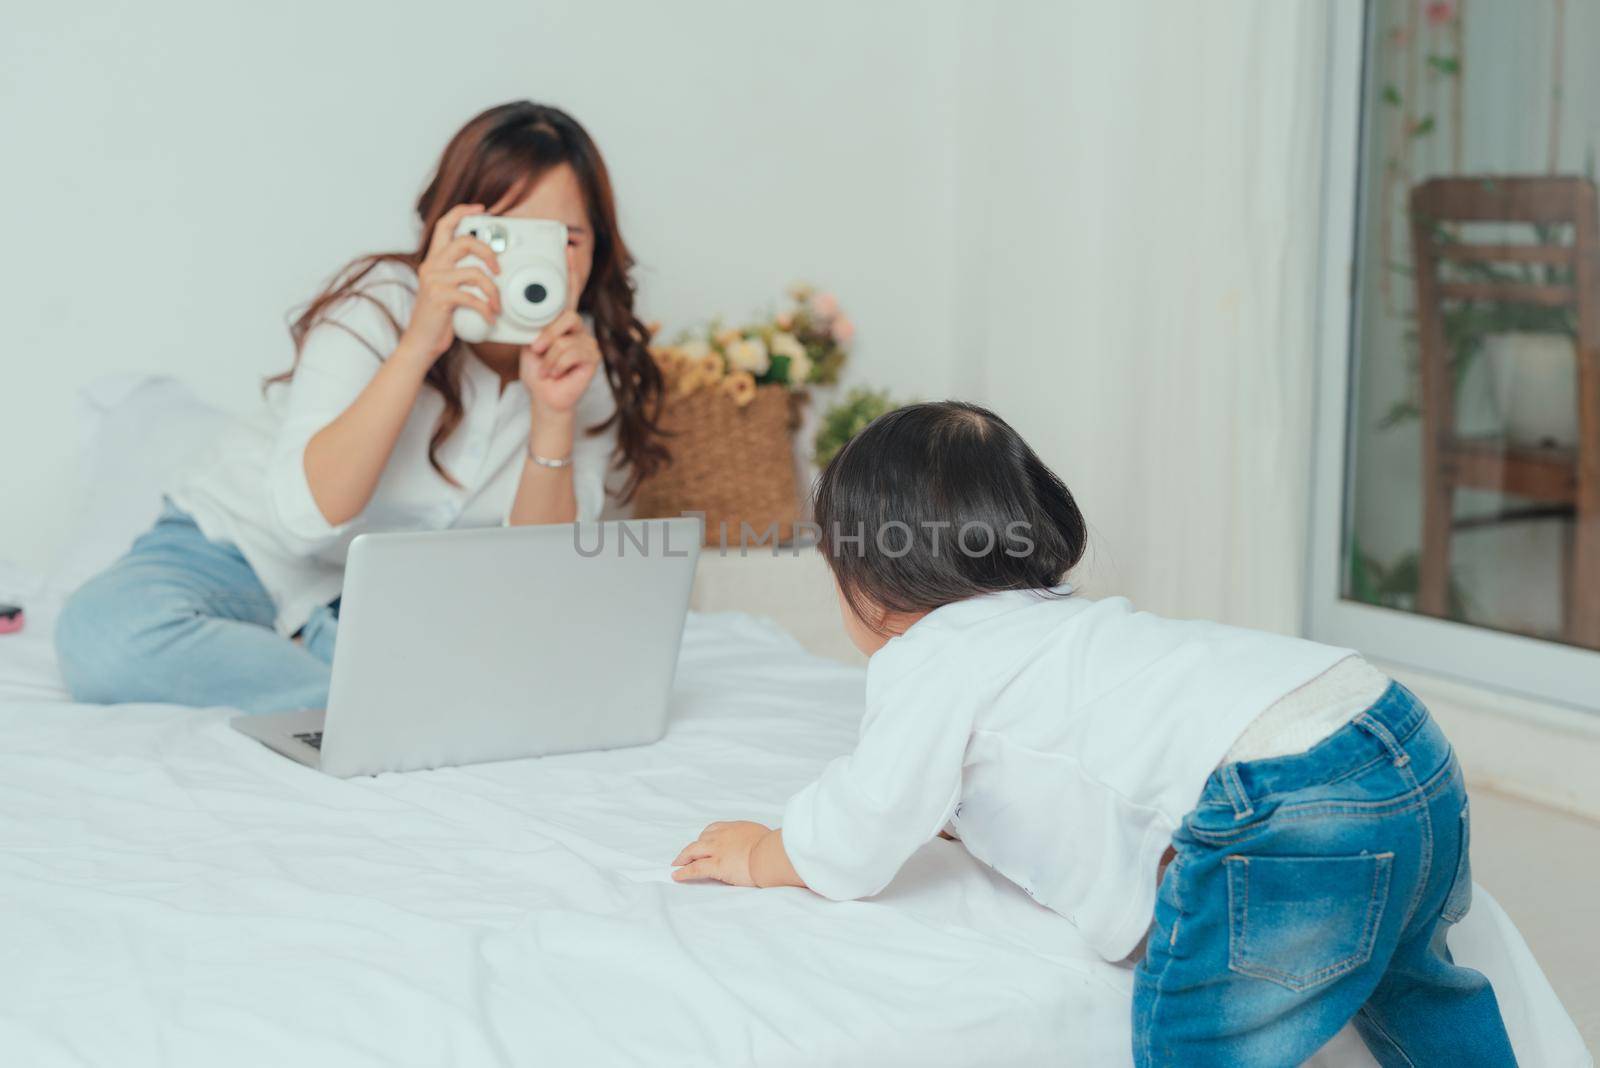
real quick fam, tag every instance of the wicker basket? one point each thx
(734, 464)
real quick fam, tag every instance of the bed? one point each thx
(172, 893)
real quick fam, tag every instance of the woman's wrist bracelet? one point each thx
(545, 461)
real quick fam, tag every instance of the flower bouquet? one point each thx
(802, 343)
(733, 395)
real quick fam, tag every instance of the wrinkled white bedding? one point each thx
(172, 893)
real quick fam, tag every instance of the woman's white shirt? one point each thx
(253, 492)
(1063, 739)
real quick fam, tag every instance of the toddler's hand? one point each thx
(722, 852)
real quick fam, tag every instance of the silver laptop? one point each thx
(465, 646)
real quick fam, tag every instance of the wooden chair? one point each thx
(1566, 478)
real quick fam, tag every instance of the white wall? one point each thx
(178, 175)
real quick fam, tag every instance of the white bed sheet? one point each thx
(172, 893)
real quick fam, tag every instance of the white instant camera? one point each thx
(532, 278)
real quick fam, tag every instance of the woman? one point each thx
(387, 422)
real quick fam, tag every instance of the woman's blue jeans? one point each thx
(1310, 890)
(183, 620)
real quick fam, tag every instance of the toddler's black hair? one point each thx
(936, 503)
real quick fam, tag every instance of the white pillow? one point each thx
(137, 435)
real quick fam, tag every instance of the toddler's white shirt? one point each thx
(1063, 738)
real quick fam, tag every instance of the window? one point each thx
(1458, 521)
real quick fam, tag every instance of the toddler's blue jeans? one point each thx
(1310, 890)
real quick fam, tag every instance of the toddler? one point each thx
(1313, 813)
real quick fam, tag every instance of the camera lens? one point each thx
(535, 293)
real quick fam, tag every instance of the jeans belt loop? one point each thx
(1234, 788)
(1385, 736)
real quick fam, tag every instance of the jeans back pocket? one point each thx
(1303, 921)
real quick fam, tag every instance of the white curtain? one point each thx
(1138, 208)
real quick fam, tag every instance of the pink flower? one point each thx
(825, 304)
(783, 320)
(843, 330)
(1439, 12)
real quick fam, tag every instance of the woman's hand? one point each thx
(443, 286)
(556, 369)
(560, 363)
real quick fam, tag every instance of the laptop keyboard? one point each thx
(311, 738)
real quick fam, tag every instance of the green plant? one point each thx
(1394, 584)
(846, 419)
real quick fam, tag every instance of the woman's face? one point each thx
(558, 196)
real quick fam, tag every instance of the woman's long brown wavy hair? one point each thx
(500, 155)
